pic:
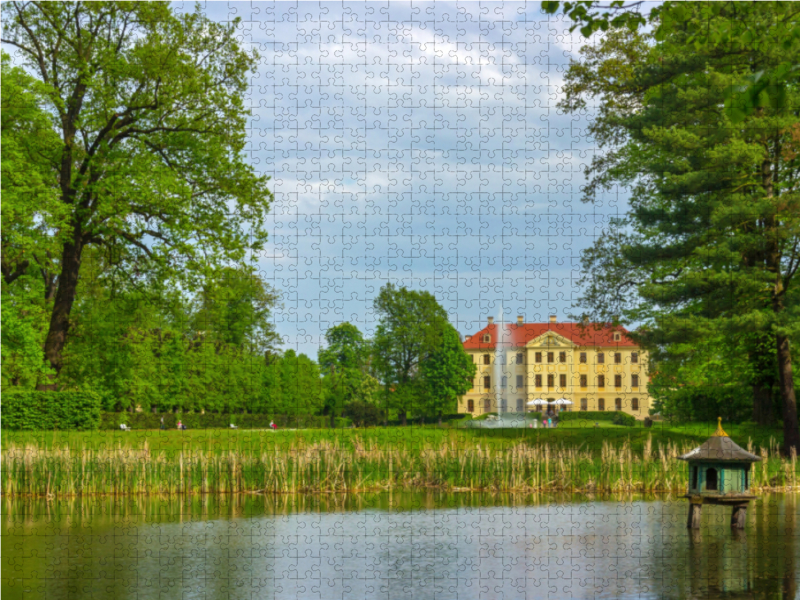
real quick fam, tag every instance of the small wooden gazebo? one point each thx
(719, 473)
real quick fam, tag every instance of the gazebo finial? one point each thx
(719, 432)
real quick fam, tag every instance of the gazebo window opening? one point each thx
(711, 479)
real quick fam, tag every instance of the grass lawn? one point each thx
(571, 434)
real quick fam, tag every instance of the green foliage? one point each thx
(343, 363)
(710, 246)
(588, 416)
(149, 165)
(363, 414)
(447, 371)
(729, 25)
(32, 410)
(621, 418)
(410, 329)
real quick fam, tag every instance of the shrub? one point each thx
(621, 418)
(31, 410)
(363, 414)
(587, 416)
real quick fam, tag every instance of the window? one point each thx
(504, 382)
(617, 403)
(634, 404)
(519, 381)
(538, 380)
(601, 404)
(584, 404)
(486, 359)
(634, 358)
(487, 338)
(746, 478)
(694, 478)
(617, 337)
(617, 358)
(471, 406)
(551, 380)
(584, 380)
(503, 405)
(601, 358)
(550, 357)
(538, 357)
(487, 405)
(634, 381)
(562, 357)
(487, 382)
(583, 357)
(601, 381)
(711, 480)
(520, 358)
(520, 405)
(618, 381)
(562, 380)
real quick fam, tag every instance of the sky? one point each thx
(418, 144)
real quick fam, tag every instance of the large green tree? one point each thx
(410, 328)
(148, 107)
(713, 231)
(343, 362)
(448, 372)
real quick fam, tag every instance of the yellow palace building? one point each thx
(558, 366)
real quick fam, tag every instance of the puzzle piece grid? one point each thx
(419, 144)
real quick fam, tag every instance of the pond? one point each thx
(414, 545)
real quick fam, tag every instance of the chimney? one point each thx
(553, 319)
(519, 320)
(491, 320)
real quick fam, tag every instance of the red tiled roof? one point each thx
(517, 336)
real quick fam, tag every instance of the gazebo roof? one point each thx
(720, 448)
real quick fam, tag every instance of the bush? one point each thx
(149, 420)
(36, 410)
(587, 416)
(621, 418)
(615, 416)
(363, 414)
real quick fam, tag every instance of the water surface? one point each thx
(387, 546)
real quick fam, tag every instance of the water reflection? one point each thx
(395, 545)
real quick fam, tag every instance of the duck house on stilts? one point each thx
(719, 473)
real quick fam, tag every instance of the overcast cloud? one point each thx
(417, 144)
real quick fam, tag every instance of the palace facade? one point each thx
(596, 368)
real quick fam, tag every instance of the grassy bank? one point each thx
(376, 460)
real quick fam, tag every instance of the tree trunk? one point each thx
(763, 412)
(403, 418)
(791, 428)
(62, 307)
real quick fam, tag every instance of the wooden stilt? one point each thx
(739, 516)
(693, 521)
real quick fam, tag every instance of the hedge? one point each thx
(31, 410)
(615, 416)
(149, 420)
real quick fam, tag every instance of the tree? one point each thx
(344, 366)
(722, 24)
(448, 372)
(234, 307)
(148, 107)
(712, 237)
(410, 326)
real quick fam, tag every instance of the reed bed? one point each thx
(360, 466)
